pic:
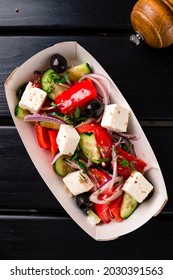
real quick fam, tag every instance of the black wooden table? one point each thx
(32, 223)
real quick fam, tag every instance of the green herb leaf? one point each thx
(103, 160)
(76, 155)
(131, 166)
(77, 113)
(83, 166)
(53, 104)
(88, 133)
(124, 162)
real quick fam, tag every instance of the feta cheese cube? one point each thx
(67, 139)
(115, 117)
(78, 182)
(32, 98)
(137, 186)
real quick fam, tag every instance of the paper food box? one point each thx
(76, 54)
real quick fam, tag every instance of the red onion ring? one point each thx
(56, 157)
(102, 89)
(38, 117)
(94, 197)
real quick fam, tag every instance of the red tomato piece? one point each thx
(42, 136)
(101, 175)
(122, 169)
(102, 210)
(115, 207)
(135, 163)
(77, 95)
(52, 137)
(103, 138)
(106, 193)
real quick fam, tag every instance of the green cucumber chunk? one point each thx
(61, 167)
(49, 83)
(129, 204)
(76, 72)
(93, 218)
(89, 147)
(20, 113)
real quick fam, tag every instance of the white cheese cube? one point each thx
(67, 139)
(137, 186)
(78, 182)
(32, 98)
(115, 117)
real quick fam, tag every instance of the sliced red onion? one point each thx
(68, 82)
(56, 157)
(95, 181)
(130, 147)
(64, 85)
(99, 118)
(72, 164)
(114, 163)
(128, 136)
(89, 163)
(103, 78)
(48, 108)
(94, 197)
(38, 118)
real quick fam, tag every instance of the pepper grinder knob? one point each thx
(153, 21)
(136, 38)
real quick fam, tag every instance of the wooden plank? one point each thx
(22, 188)
(142, 74)
(26, 237)
(65, 14)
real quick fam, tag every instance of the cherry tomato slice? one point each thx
(123, 169)
(101, 175)
(135, 163)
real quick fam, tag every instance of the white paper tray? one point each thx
(75, 54)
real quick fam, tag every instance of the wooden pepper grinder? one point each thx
(153, 22)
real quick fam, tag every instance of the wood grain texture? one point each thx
(33, 225)
(35, 237)
(65, 14)
(21, 187)
(154, 21)
(143, 75)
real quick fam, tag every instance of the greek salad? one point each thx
(88, 138)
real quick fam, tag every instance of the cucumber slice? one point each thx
(20, 113)
(76, 72)
(61, 167)
(93, 218)
(49, 85)
(128, 206)
(89, 147)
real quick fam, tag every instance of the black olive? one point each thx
(93, 108)
(58, 63)
(83, 202)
